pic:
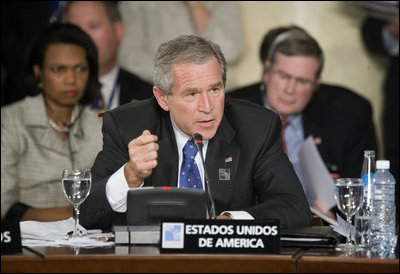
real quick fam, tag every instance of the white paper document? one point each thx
(54, 234)
(343, 228)
(319, 182)
(324, 217)
(303, 239)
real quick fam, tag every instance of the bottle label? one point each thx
(366, 184)
(365, 178)
(383, 194)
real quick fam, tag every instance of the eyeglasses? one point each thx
(302, 82)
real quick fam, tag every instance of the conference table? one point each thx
(147, 258)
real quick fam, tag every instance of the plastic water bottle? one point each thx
(383, 219)
(362, 220)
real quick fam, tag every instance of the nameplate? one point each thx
(220, 236)
(10, 237)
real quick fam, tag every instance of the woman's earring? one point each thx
(39, 80)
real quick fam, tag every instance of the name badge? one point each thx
(224, 174)
(220, 236)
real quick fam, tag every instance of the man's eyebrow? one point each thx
(194, 90)
(216, 85)
(190, 90)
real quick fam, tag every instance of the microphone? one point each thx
(197, 139)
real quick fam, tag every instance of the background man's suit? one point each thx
(339, 117)
(248, 133)
(132, 88)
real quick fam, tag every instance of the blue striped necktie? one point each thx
(190, 176)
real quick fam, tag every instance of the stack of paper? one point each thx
(54, 234)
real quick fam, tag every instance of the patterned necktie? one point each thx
(285, 123)
(190, 176)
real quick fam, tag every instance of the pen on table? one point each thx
(86, 232)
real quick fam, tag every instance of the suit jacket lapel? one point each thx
(123, 94)
(311, 127)
(222, 160)
(166, 173)
(36, 119)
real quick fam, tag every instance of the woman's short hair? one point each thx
(62, 33)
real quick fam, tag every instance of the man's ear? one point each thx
(318, 82)
(267, 65)
(161, 98)
(266, 70)
(119, 30)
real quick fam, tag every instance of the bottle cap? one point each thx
(383, 164)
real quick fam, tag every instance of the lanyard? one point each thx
(96, 103)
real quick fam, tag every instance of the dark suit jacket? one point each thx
(340, 118)
(132, 88)
(248, 133)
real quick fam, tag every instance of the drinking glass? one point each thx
(349, 194)
(76, 185)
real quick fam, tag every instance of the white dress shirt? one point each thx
(108, 84)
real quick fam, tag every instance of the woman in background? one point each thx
(54, 128)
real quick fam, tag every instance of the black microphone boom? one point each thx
(197, 139)
(198, 142)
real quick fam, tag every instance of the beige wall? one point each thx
(335, 24)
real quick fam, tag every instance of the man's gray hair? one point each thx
(185, 49)
(296, 42)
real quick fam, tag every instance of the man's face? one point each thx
(92, 18)
(290, 83)
(196, 102)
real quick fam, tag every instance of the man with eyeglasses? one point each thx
(339, 120)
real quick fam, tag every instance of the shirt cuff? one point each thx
(117, 190)
(239, 215)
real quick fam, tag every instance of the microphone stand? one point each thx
(198, 142)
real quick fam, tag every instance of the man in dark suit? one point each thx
(102, 21)
(339, 120)
(142, 144)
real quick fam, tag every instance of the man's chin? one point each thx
(207, 134)
(288, 112)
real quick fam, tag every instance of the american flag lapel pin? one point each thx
(317, 140)
(228, 159)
